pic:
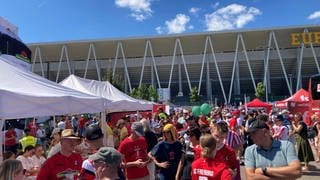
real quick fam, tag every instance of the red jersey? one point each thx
(82, 122)
(233, 123)
(208, 169)
(61, 167)
(10, 134)
(132, 151)
(197, 152)
(226, 155)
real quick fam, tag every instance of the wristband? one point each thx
(264, 171)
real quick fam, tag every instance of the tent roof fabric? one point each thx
(25, 94)
(258, 103)
(300, 96)
(117, 101)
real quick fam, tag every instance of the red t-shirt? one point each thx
(197, 152)
(132, 151)
(61, 167)
(226, 155)
(10, 134)
(209, 169)
(82, 122)
(233, 123)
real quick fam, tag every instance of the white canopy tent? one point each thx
(117, 100)
(25, 94)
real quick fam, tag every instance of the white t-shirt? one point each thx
(41, 133)
(27, 163)
(38, 161)
(62, 125)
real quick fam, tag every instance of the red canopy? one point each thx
(258, 103)
(300, 97)
(299, 102)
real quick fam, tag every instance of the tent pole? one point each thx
(2, 139)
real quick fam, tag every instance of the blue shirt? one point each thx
(281, 153)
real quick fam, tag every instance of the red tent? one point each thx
(299, 102)
(257, 103)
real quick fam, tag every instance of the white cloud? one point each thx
(159, 30)
(230, 17)
(141, 9)
(194, 10)
(314, 15)
(178, 24)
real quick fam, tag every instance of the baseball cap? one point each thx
(69, 134)
(280, 118)
(93, 132)
(137, 127)
(256, 125)
(55, 131)
(107, 154)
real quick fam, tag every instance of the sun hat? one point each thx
(107, 154)
(69, 134)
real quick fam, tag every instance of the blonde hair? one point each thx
(10, 167)
(208, 145)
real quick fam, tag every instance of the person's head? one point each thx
(68, 141)
(106, 160)
(194, 134)
(8, 155)
(263, 117)
(41, 126)
(38, 150)
(27, 132)
(28, 151)
(137, 129)
(94, 136)
(279, 120)
(298, 117)
(11, 169)
(56, 133)
(121, 123)
(208, 146)
(146, 125)
(169, 132)
(259, 132)
(219, 131)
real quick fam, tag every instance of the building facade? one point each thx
(224, 66)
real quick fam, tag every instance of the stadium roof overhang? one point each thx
(223, 41)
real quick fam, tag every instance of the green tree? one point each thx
(194, 95)
(115, 80)
(260, 91)
(153, 94)
(145, 92)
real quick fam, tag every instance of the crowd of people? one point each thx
(277, 145)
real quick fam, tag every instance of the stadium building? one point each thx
(224, 66)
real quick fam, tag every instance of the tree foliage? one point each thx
(145, 92)
(116, 80)
(194, 95)
(260, 91)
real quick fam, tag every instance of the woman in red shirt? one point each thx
(206, 167)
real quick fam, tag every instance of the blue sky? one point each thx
(65, 20)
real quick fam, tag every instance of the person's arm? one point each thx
(162, 164)
(180, 167)
(292, 171)
(251, 174)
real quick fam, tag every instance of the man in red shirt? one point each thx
(134, 150)
(10, 140)
(66, 164)
(82, 122)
